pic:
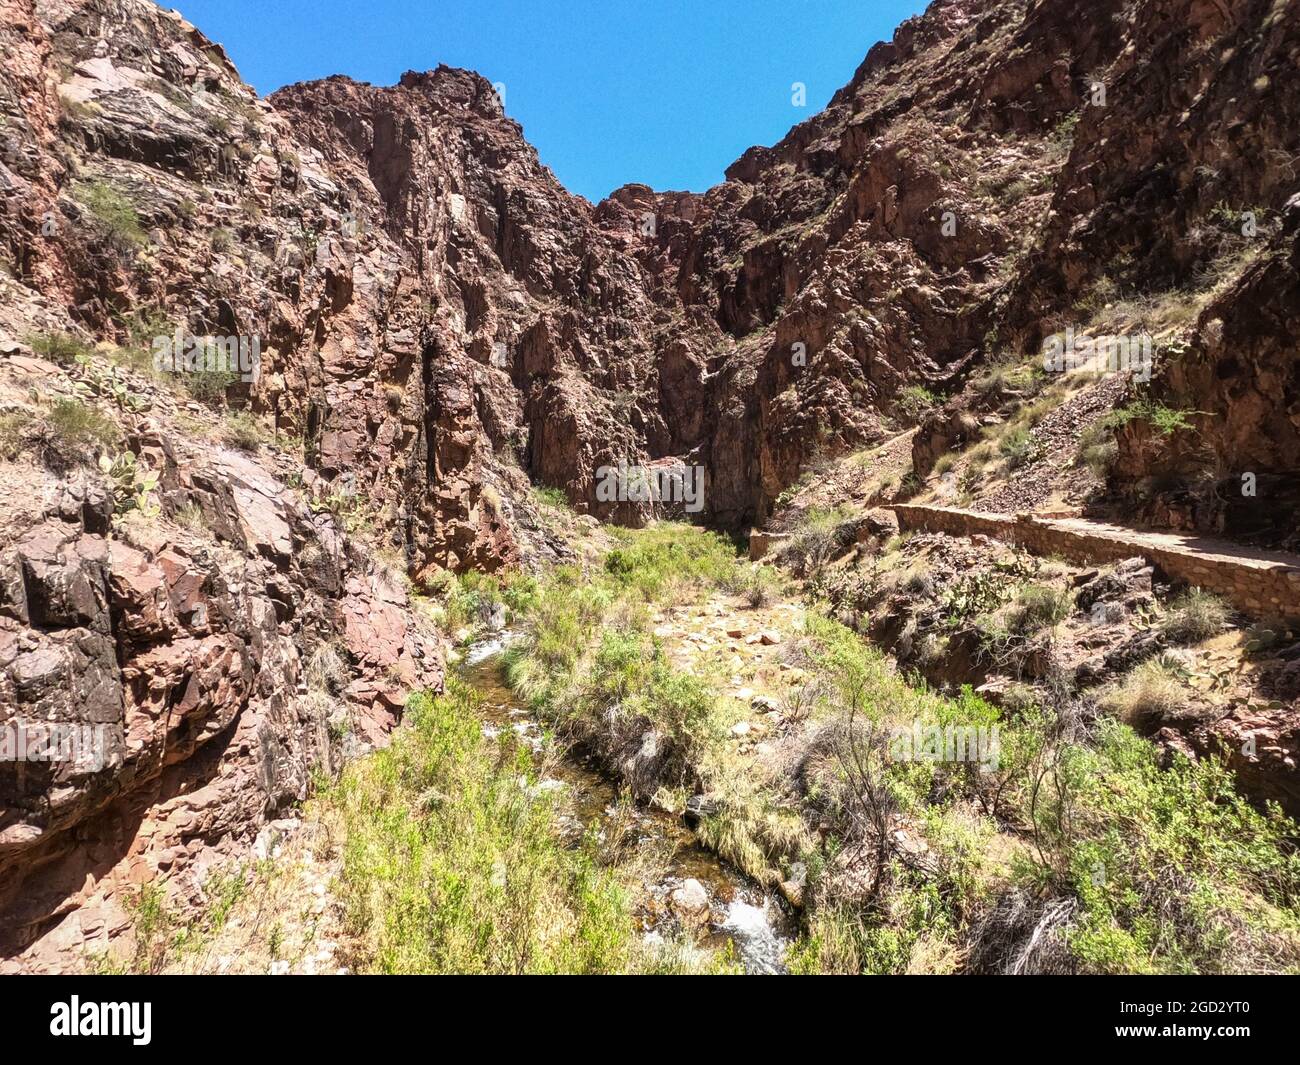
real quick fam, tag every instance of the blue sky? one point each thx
(665, 92)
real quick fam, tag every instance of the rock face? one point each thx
(441, 325)
(1236, 472)
(442, 322)
(182, 660)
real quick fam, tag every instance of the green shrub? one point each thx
(1018, 448)
(75, 425)
(208, 386)
(114, 212)
(1193, 616)
(1174, 872)
(155, 928)
(472, 599)
(670, 553)
(679, 703)
(1037, 607)
(62, 348)
(1163, 419)
(912, 403)
(453, 862)
(551, 497)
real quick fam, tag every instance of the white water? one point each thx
(761, 949)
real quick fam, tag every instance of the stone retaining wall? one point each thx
(1261, 583)
(762, 543)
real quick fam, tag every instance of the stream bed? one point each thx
(691, 884)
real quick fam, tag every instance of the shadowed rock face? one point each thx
(1238, 375)
(441, 324)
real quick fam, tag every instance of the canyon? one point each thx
(242, 579)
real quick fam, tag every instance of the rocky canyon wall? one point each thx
(442, 326)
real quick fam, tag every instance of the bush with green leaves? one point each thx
(1174, 872)
(453, 862)
(1018, 448)
(473, 599)
(62, 348)
(209, 386)
(551, 497)
(913, 402)
(1163, 419)
(587, 658)
(1193, 616)
(667, 554)
(114, 213)
(76, 426)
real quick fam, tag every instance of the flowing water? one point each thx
(733, 910)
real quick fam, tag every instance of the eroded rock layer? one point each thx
(442, 325)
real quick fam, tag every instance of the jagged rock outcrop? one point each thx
(443, 321)
(1238, 470)
(170, 680)
(441, 326)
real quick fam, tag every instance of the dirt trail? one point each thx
(1260, 582)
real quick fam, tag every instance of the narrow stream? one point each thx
(731, 908)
